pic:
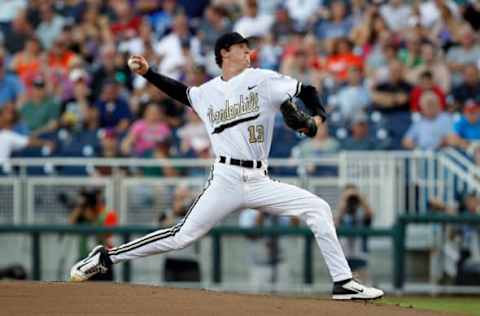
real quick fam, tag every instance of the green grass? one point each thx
(460, 305)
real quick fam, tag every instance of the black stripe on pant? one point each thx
(161, 234)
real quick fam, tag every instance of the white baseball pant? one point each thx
(231, 188)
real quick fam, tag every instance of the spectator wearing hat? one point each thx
(431, 130)
(40, 111)
(467, 130)
(74, 108)
(359, 139)
(469, 89)
(11, 88)
(145, 133)
(113, 109)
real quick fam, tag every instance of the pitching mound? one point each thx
(55, 298)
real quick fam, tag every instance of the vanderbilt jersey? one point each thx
(239, 113)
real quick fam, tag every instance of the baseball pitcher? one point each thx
(238, 109)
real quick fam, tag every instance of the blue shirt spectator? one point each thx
(467, 130)
(10, 85)
(431, 130)
(114, 111)
(340, 24)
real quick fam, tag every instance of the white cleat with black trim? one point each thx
(352, 290)
(97, 261)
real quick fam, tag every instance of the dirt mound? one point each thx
(56, 298)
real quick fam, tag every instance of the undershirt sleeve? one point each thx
(173, 88)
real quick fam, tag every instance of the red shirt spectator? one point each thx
(343, 59)
(426, 84)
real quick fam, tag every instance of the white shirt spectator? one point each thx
(397, 17)
(10, 9)
(48, 32)
(173, 59)
(302, 10)
(9, 142)
(253, 26)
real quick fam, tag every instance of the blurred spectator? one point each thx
(431, 130)
(426, 84)
(302, 11)
(162, 150)
(337, 24)
(252, 23)
(467, 129)
(27, 63)
(382, 53)
(354, 211)
(91, 209)
(434, 63)
(410, 55)
(447, 29)
(145, 133)
(162, 19)
(109, 149)
(266, 261)
(192, 135)
(359, 139)
(283, 25)
(183, 265)
(17, 33)
(51, 25)
(75, 107)
(369, 30)
(397, 14)
(342, 59)
(392, 95)
(469, 89)
(10, 9)
(322, 143)
(125, 24)
(460, 56)
(212, 26)
(60, 57)
(11, 88)
(353, 97)
(11, 140)
(111, 66)
(296, 66)
(113, 109)
(471, 13)
(40, 111)
(170, 48)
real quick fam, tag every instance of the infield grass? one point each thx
(460, 305)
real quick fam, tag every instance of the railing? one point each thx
(35, 231)
(397, 235)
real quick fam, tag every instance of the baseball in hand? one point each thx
(133, 64)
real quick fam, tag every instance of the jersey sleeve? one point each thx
(282, 88)
(194, 97)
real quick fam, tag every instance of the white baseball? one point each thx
(132, 64)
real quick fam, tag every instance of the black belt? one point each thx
(242, 163)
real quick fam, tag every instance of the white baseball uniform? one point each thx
(239, 116)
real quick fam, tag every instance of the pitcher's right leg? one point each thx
(209, 208)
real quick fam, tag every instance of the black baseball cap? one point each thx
(225, 41)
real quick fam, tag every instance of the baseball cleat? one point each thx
(97, 261)
(352, 290)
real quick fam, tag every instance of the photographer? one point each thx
(90, 209)
(354, 212)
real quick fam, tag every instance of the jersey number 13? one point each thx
(256, 134)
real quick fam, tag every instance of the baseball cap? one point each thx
(471, 106)
(227, 40)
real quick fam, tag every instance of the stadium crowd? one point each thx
(393, 74)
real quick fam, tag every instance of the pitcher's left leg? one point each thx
(285, 199)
